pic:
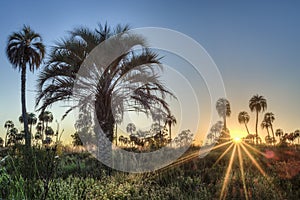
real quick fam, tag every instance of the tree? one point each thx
(1, 142)
(12, 136)
(266, 125)
(297, 134)
(269, 118)
(258, 104)
(76, 140)
(279, 133)
(223, 109)
(32, 120)
(25, 49)
(170, 120)
(130, 128)
(244, 119)
(45, 117)
(8, 125)
(129, 83)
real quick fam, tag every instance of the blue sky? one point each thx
(255, 45)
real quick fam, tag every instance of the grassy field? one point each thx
(77, 175)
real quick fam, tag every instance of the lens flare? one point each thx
(237, 140)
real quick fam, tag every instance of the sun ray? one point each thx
(226, 179)
(242, 171)
(254, 149)
(223, 154)
(254, 161)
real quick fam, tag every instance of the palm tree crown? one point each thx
(244, 118)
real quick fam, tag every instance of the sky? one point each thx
(255, 46)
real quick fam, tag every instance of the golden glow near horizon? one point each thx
(237, 140)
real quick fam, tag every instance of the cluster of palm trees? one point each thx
(43, 133)
(154, 138)
(258, 104)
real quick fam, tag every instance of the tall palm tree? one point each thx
(129, 83)
(258, 104)
(170, 120)
(223, 109)
(269, 117)
(8, 125)
(25, 49)
(244, 119)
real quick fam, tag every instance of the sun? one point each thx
(237, 140)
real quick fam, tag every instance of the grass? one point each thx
(80, 176)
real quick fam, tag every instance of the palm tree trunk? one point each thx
(5, 143)
(272, 132)
(256, 131)
(23, 101)
(225, 124)
(247, 129)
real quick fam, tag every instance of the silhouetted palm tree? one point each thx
(258, 104)
(269, 117)
(25, 48)
(244, 118)
(279, 133)
(130, 128)
(45, 117)
(170, 120)
(8, 125)
(129, 83)
(266, 125)
(297, 134)
(1, 142)
(32, 120)
(223, 108)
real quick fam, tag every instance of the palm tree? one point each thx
(223, 109)
(266, 125)
(279, 133)
(8, 125)
(297, 134)
(129, 83)
(45, 117)
(170, 120)
(258, 104)
(25, 48)
(32, 120)
(131, 128)
(1, 142)
(244, 118)
(269, 117)
(12, 136)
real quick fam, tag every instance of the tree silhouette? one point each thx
(223, 109)
(170, 120)
(266, 125)
(269, 118)
(258, 104)
(45, 117)
(128, 83)
(25, 48)
(244, 119)
(32, 120)
(8, 125)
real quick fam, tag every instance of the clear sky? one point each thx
(256, 46)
